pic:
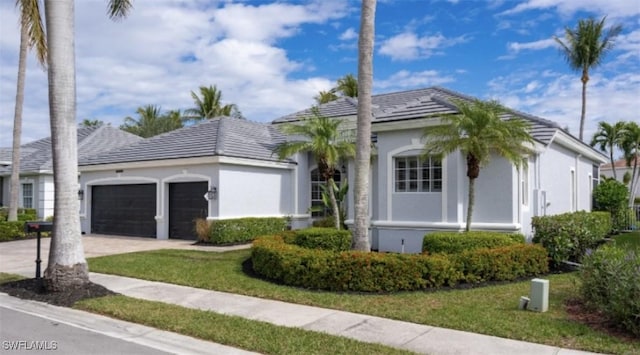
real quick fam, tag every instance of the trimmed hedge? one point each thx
(568, 236)
(293, 265)
(11, 230)
(24, 214)
(239, 230)
(454, 242)
(323, 238)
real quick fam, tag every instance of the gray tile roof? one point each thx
(230, 137)
(36, 156)
(413, 104)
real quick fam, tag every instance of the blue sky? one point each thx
(272, 58)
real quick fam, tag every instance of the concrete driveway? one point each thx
(18, 257)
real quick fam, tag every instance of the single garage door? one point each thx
(186, 203)
(124, 210)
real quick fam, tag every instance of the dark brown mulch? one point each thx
(32, 289)
(579, 312)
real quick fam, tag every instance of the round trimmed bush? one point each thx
(323, 238)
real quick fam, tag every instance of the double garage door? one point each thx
(130, 210)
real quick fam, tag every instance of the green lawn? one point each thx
(487, 310)
(628, 240)
(228, 330)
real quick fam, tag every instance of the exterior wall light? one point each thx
(212, 193)
(81, 194)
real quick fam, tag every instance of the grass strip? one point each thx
(491, 310)
(229, 330)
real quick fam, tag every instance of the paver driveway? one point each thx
(18, 257)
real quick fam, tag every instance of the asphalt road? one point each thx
(25, 333)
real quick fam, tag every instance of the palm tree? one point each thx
(607, 138)
(322, 139)
(67, 267)
(326, 96)
(584, 48)
(210, 105)
(363, 132)
(31, 36)
(348, 85)
(152, 122)
(631, 148)
(477, 131)
(91, 123)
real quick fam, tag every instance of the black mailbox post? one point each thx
(38, 227)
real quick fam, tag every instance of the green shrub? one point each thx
(240, 230)
(454, 242)
(612, 196)
(323, 238)
(326, 222)
(24, 214)
(568, 236)
(356, 271)
(503, 263)
(11, 230)
(611, 283)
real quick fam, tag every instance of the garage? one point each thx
(127, 210)
(186, 203)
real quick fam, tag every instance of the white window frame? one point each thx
(26, 197)
(316, 181)
(573, 185)
(524, 185)
(426, 174)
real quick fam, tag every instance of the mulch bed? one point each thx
(579, 312)
(32, 289)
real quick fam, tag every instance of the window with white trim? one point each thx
(415, 174)
(27, 195)
(316, 191)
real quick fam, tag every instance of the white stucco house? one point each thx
(156, 187)
(36, 165)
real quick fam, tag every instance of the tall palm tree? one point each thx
(607, 138)
(363, 131)
(67, 267)
(321, 137)
(348, 85)
(209, 105)
(152, 122)
(584, 48)
(477, 131)
(326, 96)
(31, 36)
(631, 148)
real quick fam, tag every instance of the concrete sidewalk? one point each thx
(414, 337)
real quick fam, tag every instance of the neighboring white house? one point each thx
(157, 187)
(36, 165)
(621, 170)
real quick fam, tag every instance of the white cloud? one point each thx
(558, 98)
(612, 8)
(409, 46)
(166, 49)
(516, 47)
(405, 79)
(349, 34)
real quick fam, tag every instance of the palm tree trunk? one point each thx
(613, 163)
(334, 203)
(363, 137)
(585, 79)
(471, 202)
(67, 266)
(17, 127)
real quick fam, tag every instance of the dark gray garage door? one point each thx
(186, 203)
(124, 210)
